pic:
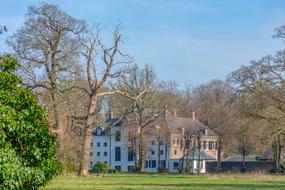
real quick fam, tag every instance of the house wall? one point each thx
(175, 146)
(194, 164)
(168, 147)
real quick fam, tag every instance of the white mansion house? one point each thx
(116, 144)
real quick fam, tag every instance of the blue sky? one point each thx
(186, 41)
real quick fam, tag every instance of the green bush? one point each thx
(100, 168)
(27, 149)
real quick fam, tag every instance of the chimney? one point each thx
(109, 114)
(193, 115)
(206, 131)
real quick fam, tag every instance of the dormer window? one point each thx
(98, 131)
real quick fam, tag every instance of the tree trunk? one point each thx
(219, 152)
(199, 156)
(243, 158)
(277, 149)
(85, 158)
(165, 153)
(57, 119)
(158, 156)
(134, 149)
(141, 150)
(181, 166)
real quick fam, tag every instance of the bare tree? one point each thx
(111, 63)
(189, 134)
(263, 83)
(140, 87)
(213, 105)
(47, 46)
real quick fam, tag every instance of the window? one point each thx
(130, 154)
(181, 144)
(117, 153)
(98, 144)
(146, 164)
(105, 162)
(91, 144)
(175, 152)
(105, 144)
(98, 131)
(152, 163)
(161, 152)
(130, 168)
(211, 145)
(152, 152)
(118, 136)
(91, 154)
(91, 163)
(176, 165)
(118, 168)
(199, 144)
(162, 163)
(105, 153)
(98, 153)
(187, 143)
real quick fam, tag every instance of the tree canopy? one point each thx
(27, 156)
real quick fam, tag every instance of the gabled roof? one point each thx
(196, 154)
(176, 123)
(172, 124)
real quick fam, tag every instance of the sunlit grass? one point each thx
(168, 181)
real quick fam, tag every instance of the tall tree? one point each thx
(212, 103)
(112, 65)
(263, 83)
(141, 89)
(47, 46)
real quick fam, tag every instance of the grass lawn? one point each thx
(168, 181)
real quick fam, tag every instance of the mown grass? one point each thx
(168, 181)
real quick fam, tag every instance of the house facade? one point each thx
(170, 144)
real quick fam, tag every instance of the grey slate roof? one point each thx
(176, 123)
(194, 154)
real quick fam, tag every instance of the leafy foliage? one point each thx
(27, 149)
(100, 168)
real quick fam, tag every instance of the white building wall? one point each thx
(123, 144)
(95, 158)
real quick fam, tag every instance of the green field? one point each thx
(168, 181)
